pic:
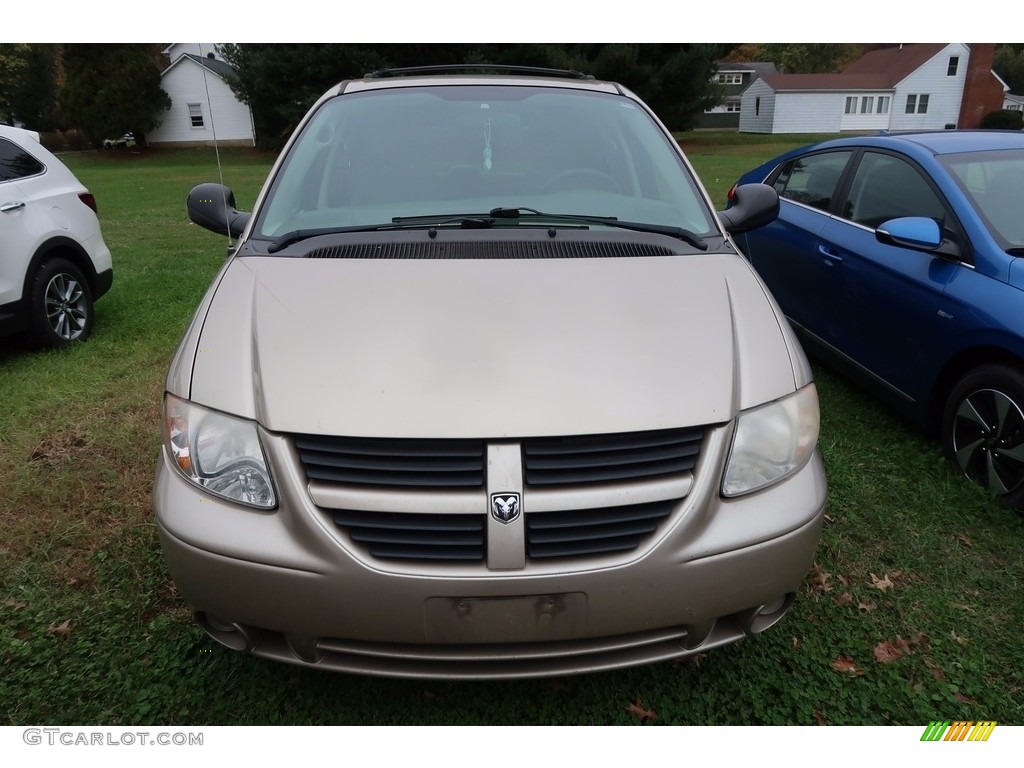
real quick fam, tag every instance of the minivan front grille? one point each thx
(392, 535)
(586, 495)
(581, 532)
(608, 458)
(435, 464)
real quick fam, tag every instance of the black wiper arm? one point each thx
(679, 233)
(464, 220)
(662, 229)
(298, 235)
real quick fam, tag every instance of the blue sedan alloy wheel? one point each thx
(983, 430)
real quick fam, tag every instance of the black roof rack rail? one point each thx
(503, 69)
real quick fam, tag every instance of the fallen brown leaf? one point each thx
(935, 670)
(964, 699)
(819, 718)
(642, 713)
(962, 607)
(847, 666)
(881, 584)
(15, 604)
(844, 599)
(964, 539)
(61, 630)
(818, 579)
(866, 607)
(891, 650)
(794, 644)
(958, 638)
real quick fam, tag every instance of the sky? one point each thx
(507, 21)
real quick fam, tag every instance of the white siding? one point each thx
(808, 112)
(762, 121)
(185, 85)
(175, 50)
(944, 92)
(870, 121)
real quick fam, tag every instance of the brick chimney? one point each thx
(983, 93)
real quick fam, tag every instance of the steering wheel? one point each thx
(581, 178)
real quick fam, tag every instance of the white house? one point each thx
(905, 87)
(203, 107)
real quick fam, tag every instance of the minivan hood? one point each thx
(490, 348)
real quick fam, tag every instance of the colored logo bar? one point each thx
(960, 730)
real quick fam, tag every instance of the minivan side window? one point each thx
(812, 179)
(16, 163)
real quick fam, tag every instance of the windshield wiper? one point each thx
(489, 219)
(298, 235)
(609, 221)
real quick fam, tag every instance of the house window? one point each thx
(757, 106)
(954, 62)
(851, 105)
(195, 115)
(732, 106)
(883, 105)
(728, 78)
(917, 103)
(867, 104)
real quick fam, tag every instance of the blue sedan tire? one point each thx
(983, 430)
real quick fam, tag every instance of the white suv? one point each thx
(54, 263)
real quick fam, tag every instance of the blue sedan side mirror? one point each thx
(917, 232)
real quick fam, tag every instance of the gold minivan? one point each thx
(486, 389)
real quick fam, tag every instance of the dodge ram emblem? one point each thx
(505, 507)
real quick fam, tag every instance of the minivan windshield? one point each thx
(367, 158)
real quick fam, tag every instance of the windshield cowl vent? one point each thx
(490, 250)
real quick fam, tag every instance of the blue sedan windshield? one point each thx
(995, 183)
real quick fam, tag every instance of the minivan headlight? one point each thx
(772, 442)
(219, 453)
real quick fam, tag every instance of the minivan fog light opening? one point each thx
(219, 453)
(772, 442)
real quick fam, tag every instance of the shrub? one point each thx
(1008, 119)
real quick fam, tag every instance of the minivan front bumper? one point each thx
(287, 585)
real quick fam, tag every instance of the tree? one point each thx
(111, 89)
(13, 67)
(809, 58)
(280, 82)
(1008, 63)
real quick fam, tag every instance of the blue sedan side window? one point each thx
(812, 180)
(886, 187)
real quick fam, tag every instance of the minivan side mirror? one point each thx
(212, 206)
(753, 205)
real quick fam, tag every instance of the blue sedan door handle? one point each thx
(831, 259)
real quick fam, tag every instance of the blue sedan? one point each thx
(898, 258)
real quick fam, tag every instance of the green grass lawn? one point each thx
(913, 611)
